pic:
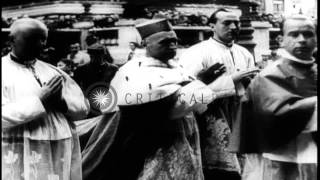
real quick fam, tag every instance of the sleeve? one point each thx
(78, 106)
(20, 111)
(312, 125)
(240, 87)
(251, 63)
(194, 96)
(223, 86)
(192, 61)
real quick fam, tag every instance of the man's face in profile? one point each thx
(163, 47)
(30, 42)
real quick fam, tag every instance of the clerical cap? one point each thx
(153, 26)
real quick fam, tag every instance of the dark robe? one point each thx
(276, 108)
(137, 134)
(92, 73)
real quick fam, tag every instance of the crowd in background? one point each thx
(67, 21)
(175, 17)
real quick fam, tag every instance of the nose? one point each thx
(233, 26)
(173, 45)
(301, 38)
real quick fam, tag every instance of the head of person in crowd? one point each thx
(74, 48)
(204, 20)
(66, 65)
(133, 45)
(99, 54)
(28, 38)
(159, 38)
(225, 25)
(264, 17)
(149, 14)
(299, 36)
(91, 39)
(48, 55)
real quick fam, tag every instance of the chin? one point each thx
(303, 56)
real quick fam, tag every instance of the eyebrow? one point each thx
(169, 39)
(231, 20)
(305, 30)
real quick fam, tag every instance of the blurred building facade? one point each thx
(288, 7)
(113, 21)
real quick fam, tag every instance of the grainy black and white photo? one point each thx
(159, 90)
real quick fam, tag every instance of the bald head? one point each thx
(24, 24)
(28, 38)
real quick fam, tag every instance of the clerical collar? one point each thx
(20, 61)
(287, 55)
(229, 45)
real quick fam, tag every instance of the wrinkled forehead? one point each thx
(161, 36)
(227, 16)
(298, 24)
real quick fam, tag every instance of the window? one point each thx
(278, 6)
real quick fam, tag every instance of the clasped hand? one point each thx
(50, 94)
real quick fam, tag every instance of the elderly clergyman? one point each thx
(39, 103)
(279, 113)
(157, 136)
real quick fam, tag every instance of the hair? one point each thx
(25, 23)
(213, 18)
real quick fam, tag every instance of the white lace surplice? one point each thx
(38, 144)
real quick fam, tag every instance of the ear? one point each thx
(211, 25)
(280, 40)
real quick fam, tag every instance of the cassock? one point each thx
(38, 142)
(277, 121)
(215, 124)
